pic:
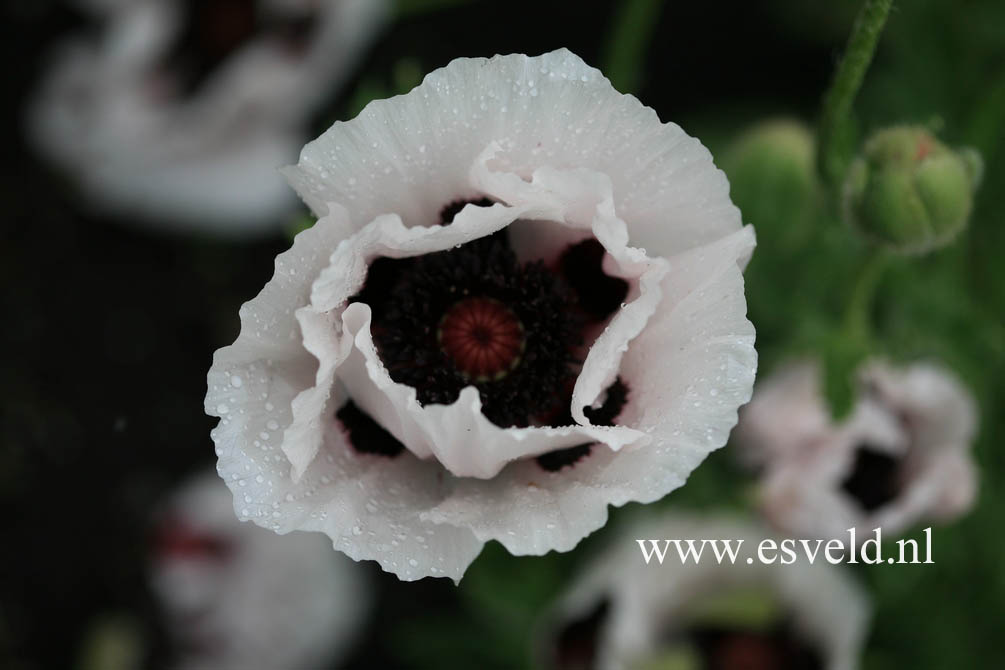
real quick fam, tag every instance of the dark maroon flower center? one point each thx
(477, 315)
(779, 648)
(213, 30)
(874, 479)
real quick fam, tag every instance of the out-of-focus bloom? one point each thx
(623, 613)
(180, 113)
(465, 347)
(786, 415)
(903, 455)
(235, 596)
(909, 191)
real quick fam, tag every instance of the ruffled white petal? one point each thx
(369, 506)
(549, 110)
(564, 154)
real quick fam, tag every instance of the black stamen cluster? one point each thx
(617, 396)
(409, 297)
(365, 434)
(600, 294)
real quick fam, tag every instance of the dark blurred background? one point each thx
(109, 328)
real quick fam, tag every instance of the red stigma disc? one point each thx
(483, 338)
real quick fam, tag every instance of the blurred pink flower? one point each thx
(414, 390)
(235, 596)
(902, 457)
(180, 113)
(623, 613)
(785, 416)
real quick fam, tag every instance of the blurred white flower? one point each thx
(785, 416)
(624, 613)
(235, 596)
(180, 113)
(415, 390)
(902, 456)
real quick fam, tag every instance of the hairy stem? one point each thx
(835, 122)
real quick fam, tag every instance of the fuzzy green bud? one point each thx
(772, 177)
(909, 191)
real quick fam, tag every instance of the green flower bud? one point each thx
(773, 178)
(909, 191)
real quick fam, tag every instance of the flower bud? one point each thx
(909, 191)
(772, 176)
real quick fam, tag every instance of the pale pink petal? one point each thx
(919, 415)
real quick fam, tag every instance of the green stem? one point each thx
(624, 51)
(835, 122)
(852, 342)
(858, 312)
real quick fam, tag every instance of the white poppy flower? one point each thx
(572, 336)
(235, 596)
(180, 113)
(623, 613)
(785, 416)
(901, 457)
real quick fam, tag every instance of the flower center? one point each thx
(475, 315)
(483, 338)
(214, 30)
(773, 649)
(575, 644)
(874, 479)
